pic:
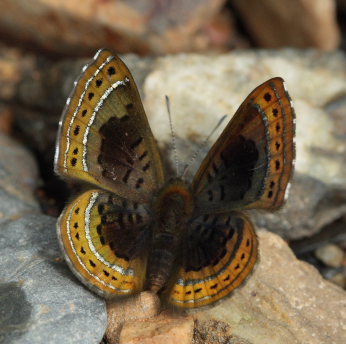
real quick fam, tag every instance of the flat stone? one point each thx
(40, 300)
(163, 329)
(142, 306)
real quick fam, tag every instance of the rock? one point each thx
(331, 255)
(271, 23)
(142, 306)
(212, 332)
(284, 301)
(18, 180)
(199, 96)
(163, 329)
(137, 26)
(41, 301)
(339, 279)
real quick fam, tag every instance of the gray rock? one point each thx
(40, 299)
(18, 179)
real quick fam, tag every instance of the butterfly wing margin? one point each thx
(251, 163)
(220, 253)
(104, 136)
(104, 242)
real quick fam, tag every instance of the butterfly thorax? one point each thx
(174, 206)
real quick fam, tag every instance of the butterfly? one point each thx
(133, 228)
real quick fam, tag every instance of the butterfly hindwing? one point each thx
(251, 163)
(218, 254)
(104, 239)
(104, 135)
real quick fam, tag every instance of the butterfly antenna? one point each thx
(195, 155)
(174, 143)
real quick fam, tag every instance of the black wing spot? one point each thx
(143, 155)
(98, 82)
(75, 151)
(127, 176)
(242, 256)
(230, 234)
(92, 263)
(278, 127)
(247, 242)
(197, 290)
(227, 278)
(90, 95)
(277, 145)
(272, 184)
(99, 229)
(114, 278)
(277, 164)
(101, 208)
(73, 161)
(77, 236)
(106, 273)
(188, 292)
(270, 194)
(267, 97)
(102, 240)
(275, 112)
(76, 210)
(129, 107)
(237, 267)
(84, 112)
(214, 286)
(146, 166)
(136, 143)
(111, 71)
(82, 250)
(75, 225)
(139, 183)
(76, 130)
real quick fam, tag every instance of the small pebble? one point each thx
(331, 255)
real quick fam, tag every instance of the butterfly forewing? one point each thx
(219, 253)
(104, 239)
(104, 135)
(251, 163)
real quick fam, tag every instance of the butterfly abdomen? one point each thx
(174, 206)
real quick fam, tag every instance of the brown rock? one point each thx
(163, 329)
(284, 301)
(296, 23)
(136, 26)
(142, 306)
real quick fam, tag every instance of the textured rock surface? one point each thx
(40, 300)
(284, 301)
(138, 26)
(164, 329)
(270, 23)
(142, 306)
(18, 178)
(317, 84)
